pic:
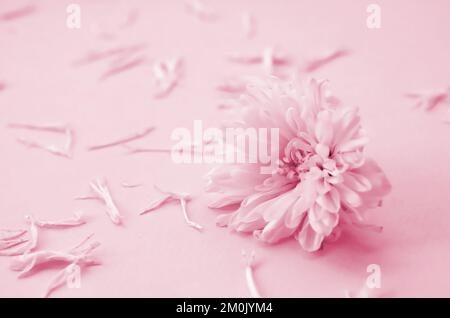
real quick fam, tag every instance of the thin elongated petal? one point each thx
(64, 151)
(119, 51)
(157, 203)
(54, 128)
(249, 275)
(76, 220)
(11, 234)
(18, 13)
(55, 150)
(27, 262)
(31, 241)
(130, 185)
(430, 99)
(101, 190)
(61, 279)
(320, 61)
(11, 243)
(186, 217)
(181, 197)
(123, 67)
(133, 137)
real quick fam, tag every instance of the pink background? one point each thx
(157, 255)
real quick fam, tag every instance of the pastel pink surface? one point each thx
(157, 254)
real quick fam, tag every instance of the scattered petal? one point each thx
(157, 203)
(63, 151)
(135, 150)
(18, 13)
(6, 234)
(49, 148)
(124, 140)
(80, 261)
(120, 52)
(55, 128)
(31, 241)
(193, 147)
(102, 193)
(32, 232)
(168, 196)
(320, 61)
(186, 217)
(166, 75)
(430, 99)
(249, 277)
(27, 262)
(6, 244)
(131, 185)
(122, 67)
(76, 248)
(175, 195)
(76, 220)
(61, 278)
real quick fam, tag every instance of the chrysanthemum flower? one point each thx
(322, 179)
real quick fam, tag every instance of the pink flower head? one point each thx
(322, 179)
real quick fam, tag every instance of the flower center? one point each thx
(300, 158)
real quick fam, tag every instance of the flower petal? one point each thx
(226, 201)
(324, 128)
(330, 200)
(274, 231)
(357, 182)
(349, 196)
(309, 239)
